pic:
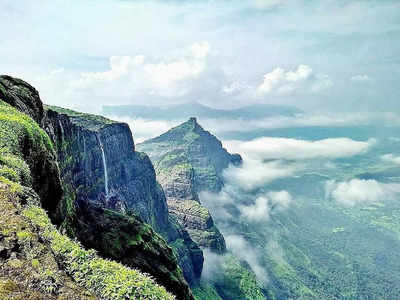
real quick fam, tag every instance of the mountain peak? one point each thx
(193, 120)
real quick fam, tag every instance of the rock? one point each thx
(28, 267)
(22, 96)
(30, 141)
(99, 166)
(189, 160)
(128, 240)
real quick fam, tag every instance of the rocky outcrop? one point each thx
(100, 167)
(189, 160)
(22, 96)
(28, 268)
(32, 144)
(98, 159)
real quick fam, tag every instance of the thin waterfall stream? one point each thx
(104, 165)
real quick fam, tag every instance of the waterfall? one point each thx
(62, 129)
(104, 165)
(84, 146)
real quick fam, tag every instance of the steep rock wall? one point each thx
(99, 166)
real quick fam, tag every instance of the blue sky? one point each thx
(317, 55)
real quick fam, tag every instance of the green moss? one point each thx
(14, 168)
(35, 263)
(20, 138)
(205, 291)
(14, 125)
(7, 287)
(24, 235)
(14, 187)
(103, 277)
(9, 173)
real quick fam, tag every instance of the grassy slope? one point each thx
(29, 232)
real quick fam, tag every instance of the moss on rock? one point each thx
(24, 149)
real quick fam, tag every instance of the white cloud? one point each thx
(257, 212)
(243, 250)
(212, 264)
(263, 205)
(361, 78)
(358, 191)
(302, 120)
(254, 173)
(280, 199)
(143, 129)
(302, 81)
(158, 77)
(266, 4)
(391, 158)
(286, 148)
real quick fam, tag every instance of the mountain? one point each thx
(187, 160)
(67, 163)
(184, 111)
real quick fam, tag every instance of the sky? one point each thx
(330, 56)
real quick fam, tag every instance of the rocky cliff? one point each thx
(100, 168)
(188, 160)
(94, 205)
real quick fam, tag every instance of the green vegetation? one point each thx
(205, 291)
(236, 282)
(105, 278)
(86, 120)
(19, 133)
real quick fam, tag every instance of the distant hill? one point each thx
(184, 111)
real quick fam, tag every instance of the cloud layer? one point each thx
(285, 148)
(391, 158)
(357, 191)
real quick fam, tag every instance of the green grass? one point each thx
(105, 278)
(86, 120)
(15, 125)
(234, 281)
(22, 144)
(205, 291)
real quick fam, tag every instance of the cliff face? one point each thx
(187, 160)
(98, 159)
(87, 207)
(100, 168)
